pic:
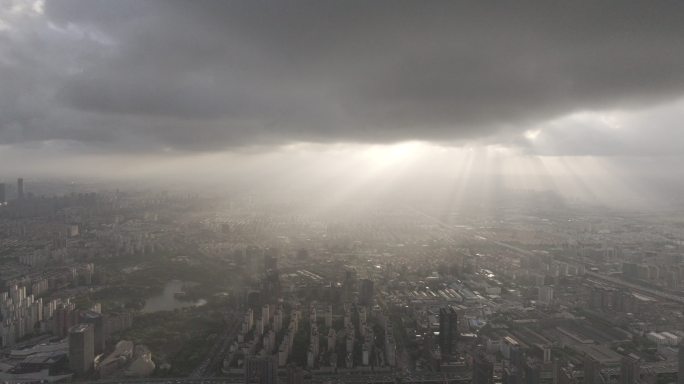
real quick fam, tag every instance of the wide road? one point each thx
(637, 287)
(322, 378)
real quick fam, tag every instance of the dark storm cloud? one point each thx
(207, 75)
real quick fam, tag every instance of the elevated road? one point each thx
(637, 287)
(327, 378)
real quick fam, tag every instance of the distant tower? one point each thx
(483, 370)
(271, 283)
(366, 292)
(295, 375)
(560, 374)
(680, 375)
(592, 371)
(81, 348)
(261, 370)
(545, 295)
(533, 372)
(20, 188)
(510, 375)
(64, 317)
(3, 198)
(448, 330)
(349, 284)
(629, 370)
(96, 319)
(271, 260)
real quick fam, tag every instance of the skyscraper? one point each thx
(557, 371)
(270, 259)
(510, 375)
(592, 371)
(349, 284)
(81, 348)
(366, 292)
(20, 188)
(3, 197)
(629, 370)
(96, 319)
(533, 372)
(483, 370)
(680, 375)
(261, 370)
(271, 286)
(295, 375)
(545, 295)
(448, 330)
(64, 317)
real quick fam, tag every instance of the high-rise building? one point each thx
(510, 375)
(96, 319)
(557, 371)
(3, 196)
(545, 295)
(680, 375)
(64, 317)
(81, 348)
(116, 322)
(483, 370)
(261, 370)
(592, 371)
(629, 370)
(448, 330)
(295, 375)
(271, 286)
(271, 283)
(630, 270)
(271, 260)
(516, 356)
(562, 375)
(533, 372)
(349, 284)
(20, 188)
(366, 292)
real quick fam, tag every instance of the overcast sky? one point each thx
(134, 79)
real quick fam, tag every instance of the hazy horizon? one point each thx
(583, 99)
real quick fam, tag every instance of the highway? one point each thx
(660, 367)
(636, 287)
(322, 378)
(386, 377)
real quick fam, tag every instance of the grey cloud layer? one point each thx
(209, 75)
(653, 132)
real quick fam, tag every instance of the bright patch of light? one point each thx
(498, 150)
(17, 7)
(38, 6)
(25, 7)
(532, 134)
(383, 155)
(610, 121)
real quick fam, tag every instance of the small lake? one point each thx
(167, 301)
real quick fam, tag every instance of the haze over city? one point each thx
(583, 99)
(341, 191)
